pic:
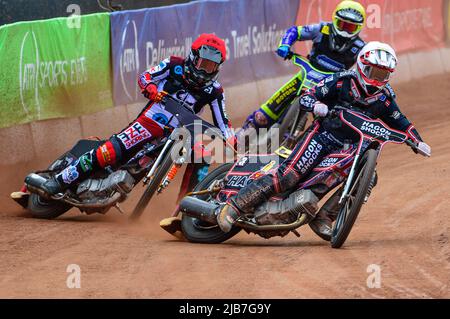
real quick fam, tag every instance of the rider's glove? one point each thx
(320, 109)
(283, 51)
(150, 91)
(424, 149)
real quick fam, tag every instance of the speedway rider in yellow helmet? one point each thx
(335, 47)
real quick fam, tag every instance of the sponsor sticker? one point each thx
(145, 78)
(327, 162)
(237, 181)
(396, 115)
(242, 161)
(375, 130)
(284, 152)
(160, 118)
(309, 156)
(178, 70)
(133, 135)
(70, 174)
(86, 162)
(209, 89)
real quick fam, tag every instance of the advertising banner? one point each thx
(54, 68)
(406, 25)
(251, 29)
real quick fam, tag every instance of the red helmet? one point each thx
(202, 65)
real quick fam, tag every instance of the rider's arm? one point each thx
(301, 33)
(323, 92)
(397, 120)
(219, 113)
(154, 75)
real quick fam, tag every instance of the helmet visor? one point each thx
(375, 75)
(206, 65)
(378, 74)
(346, 26)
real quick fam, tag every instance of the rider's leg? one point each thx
(307, 154)
(322, 223)
(273, 108)
(115, 151)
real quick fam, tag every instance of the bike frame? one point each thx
(311, 75)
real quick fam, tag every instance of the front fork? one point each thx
(348, 183)
(158, 161)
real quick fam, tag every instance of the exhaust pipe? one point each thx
(197, 208)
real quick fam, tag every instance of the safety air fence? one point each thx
(68, 67)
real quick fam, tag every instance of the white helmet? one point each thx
(376, 62)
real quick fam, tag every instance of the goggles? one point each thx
(206, 65)
(348, 27)
(376, 75)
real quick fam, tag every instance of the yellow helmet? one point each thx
(348, 18)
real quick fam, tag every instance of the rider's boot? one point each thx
(245, 201)
(77, 171)
(322, 223)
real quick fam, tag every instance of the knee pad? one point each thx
(254, 194)
(109, 154)
(285, 182)
(259, 119)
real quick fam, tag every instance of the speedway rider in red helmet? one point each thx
(191, 80)
(364, 90)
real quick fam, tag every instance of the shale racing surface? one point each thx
(403, 231)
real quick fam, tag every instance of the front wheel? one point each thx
(151, 188)
(198, 231)
(350, 208)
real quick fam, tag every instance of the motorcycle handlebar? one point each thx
(291, 54)
(411, 144)
(337, 109)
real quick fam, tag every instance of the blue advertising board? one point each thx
(251, 29)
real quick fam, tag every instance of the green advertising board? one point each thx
(54, 68)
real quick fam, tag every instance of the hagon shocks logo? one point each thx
(309, 156)
(238, 181)
(327, 162)
(375, 130)
(133, 135)
(129, 59)
(36, 74)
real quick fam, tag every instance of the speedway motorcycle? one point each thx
(289, 128)
(349, 171)
(155, 165)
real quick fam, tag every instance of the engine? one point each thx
(119, 181)
(286, 211)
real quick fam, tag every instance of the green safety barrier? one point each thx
(54, 68)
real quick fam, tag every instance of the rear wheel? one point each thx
(46, 209)
(198, 231)
(351, 207)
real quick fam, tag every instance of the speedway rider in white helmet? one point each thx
(363, 90)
